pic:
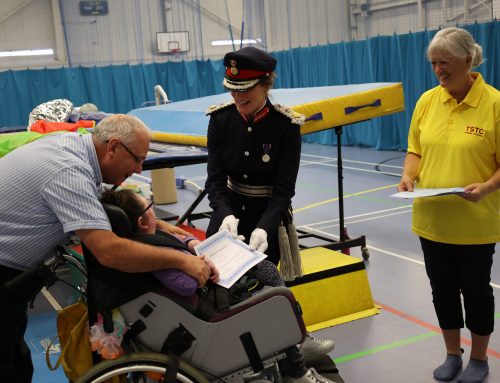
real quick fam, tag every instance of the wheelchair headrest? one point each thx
(120, 224)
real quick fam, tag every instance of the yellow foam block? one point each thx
(181, 139)
(351, 104)
(351, 108)
(333, 290)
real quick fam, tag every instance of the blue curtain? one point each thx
(398, 58)
(120, 88)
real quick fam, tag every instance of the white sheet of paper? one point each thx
(418, 193)
(232, 258)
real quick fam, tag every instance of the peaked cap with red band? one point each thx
(244, 68)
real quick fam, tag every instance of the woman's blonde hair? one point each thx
(268, 81)
(456, 42)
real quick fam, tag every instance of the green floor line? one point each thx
(356, 355)
(497, 315)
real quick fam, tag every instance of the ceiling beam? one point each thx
(14, 10)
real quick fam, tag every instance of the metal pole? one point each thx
(340, 181)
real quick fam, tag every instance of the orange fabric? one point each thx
(198, 233)
(42, 126)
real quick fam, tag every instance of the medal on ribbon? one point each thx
(267, 148)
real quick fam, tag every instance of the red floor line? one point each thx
(431, 327)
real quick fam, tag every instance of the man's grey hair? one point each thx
(121, 126)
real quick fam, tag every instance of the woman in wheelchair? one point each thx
(144, 223)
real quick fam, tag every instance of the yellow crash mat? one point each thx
(354, 104)
(333, 290)
(324, 107)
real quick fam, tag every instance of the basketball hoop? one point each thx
(172, 42)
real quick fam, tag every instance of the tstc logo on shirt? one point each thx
(474, 130)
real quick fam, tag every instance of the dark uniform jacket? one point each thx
(252, 168)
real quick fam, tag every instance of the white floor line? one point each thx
(197, 178)
(353, 161)
(412, 260)
(362, 215)
(311, 162)
(392, 254)
(352, 168)
(348, 221)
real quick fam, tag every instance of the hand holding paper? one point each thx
(231, 257)
(418, 193)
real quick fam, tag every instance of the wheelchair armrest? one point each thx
(264, 294)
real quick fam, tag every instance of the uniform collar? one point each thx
(261, 113)
(474, 95)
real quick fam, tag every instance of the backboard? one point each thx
(172, 42)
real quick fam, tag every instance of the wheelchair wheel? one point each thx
(139, 368)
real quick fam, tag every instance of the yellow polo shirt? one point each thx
(458, 144)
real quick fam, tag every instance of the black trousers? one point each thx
(293, 365)
(15, 356)
(461, 270)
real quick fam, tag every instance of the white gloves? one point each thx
(230, 223)
(258, 240)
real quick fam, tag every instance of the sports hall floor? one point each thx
(402, 343)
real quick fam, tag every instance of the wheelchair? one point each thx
(170, 339)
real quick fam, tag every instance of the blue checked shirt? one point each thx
(48, 188)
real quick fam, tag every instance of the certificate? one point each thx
(417, 193)
(232, 257)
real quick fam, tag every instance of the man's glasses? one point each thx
(150, 205)
(136, 158)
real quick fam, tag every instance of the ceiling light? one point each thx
(27, 52)
(235, 42)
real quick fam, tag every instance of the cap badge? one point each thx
(234, 70)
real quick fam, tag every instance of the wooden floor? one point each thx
(402, 343)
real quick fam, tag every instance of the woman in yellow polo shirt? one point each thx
(454, 140)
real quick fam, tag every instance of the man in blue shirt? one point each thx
(50, 189)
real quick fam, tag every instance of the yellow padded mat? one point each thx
(334, 289)
(326, 107)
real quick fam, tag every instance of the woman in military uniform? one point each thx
(253, 154)
(253, 161)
